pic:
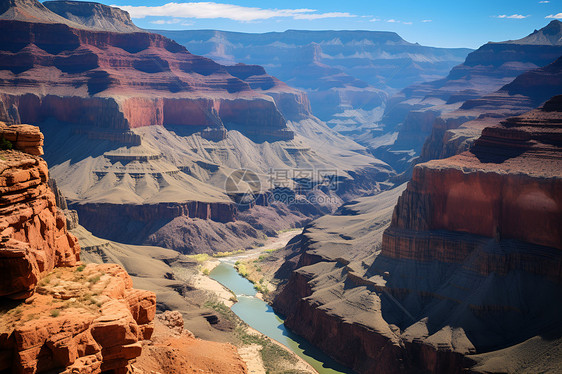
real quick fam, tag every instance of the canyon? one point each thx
(427, 182)
(348, 75)
(61, 314)
(472, 96)
(428, 293)
(151, 132)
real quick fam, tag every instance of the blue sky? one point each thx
(435, 23)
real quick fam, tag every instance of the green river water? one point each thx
(259, 315)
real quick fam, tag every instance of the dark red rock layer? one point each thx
(33, 232)
(146, 218)
(128, 80)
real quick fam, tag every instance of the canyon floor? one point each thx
(182, 283)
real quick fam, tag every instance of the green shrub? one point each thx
(55, 313)
(5, 144)
(241, 268)
(95, 279)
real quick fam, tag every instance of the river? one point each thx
(259, 315)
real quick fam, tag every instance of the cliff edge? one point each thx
(57, 313)
(455, 283)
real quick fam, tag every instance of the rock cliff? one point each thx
(348, 75)
(33, 230)
(122, 80)
(454, 281)
(411, 114)
(63, 315)
(93, 15)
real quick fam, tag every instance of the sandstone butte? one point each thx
(59, 314)
(469, 272)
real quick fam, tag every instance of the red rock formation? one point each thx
(512, 173)
(33, 230)
(126, 80)
(175, 350)
(472, 239)
(83, 319)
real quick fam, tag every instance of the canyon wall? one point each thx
(34, 236)
(123, 80)
(57, 314)
(454, 279)
(347, 75)
(472, 96)
(453, 134)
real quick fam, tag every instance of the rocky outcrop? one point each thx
(450, 284)
(32, 229)
(94, 15)
(67, 316)
(85, 319)
(25, 138)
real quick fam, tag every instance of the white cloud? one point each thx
(210, 10)
(513, 16)
(557, 16)
(166, 21)
(544, 2)
(392, 20)
(374, 20)
(427, 20)
(324, 15)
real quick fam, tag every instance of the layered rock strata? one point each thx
(451, 135)
(32, 229)
(57, 314)
(348, 75)
(471, 240)
(94, 15)
(413, 114)
(52, 69)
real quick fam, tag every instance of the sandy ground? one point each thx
(272, 243)
(252, 357)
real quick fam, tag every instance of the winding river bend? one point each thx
(259, 315)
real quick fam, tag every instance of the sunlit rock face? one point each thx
(70, 70)
(57, 314)
(454, 282)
